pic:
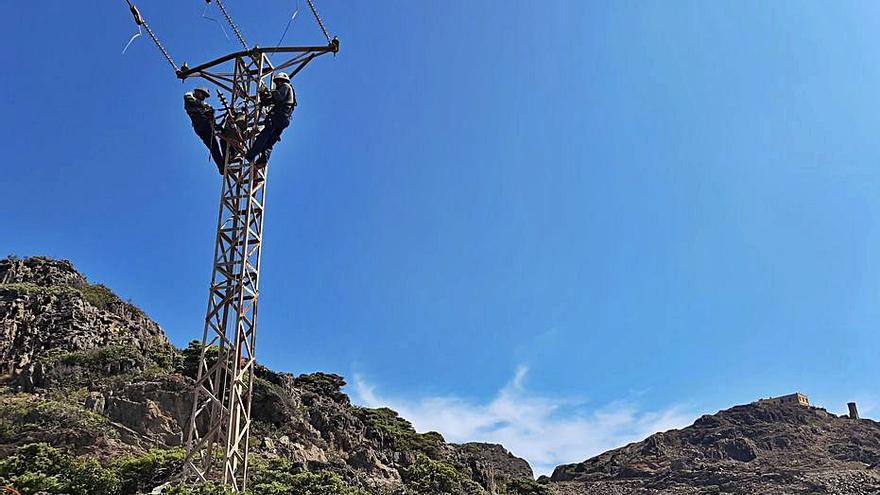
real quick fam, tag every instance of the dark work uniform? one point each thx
(282, 99)
(202, 116)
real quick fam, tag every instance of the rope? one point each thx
(234, 27)
(289, 22)
(318, 18)
(205, 16)
(131, 40)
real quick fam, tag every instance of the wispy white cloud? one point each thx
(546, 431)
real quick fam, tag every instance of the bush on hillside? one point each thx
(430, 477)
(525, 486)
(280, 477)
(398, 433)
(39, 467)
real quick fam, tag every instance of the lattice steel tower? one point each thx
(218, 429)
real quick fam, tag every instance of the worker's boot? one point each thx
(263, 159)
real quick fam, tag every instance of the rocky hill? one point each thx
(94, 399)
(753, 449)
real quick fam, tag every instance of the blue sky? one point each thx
(563, 224)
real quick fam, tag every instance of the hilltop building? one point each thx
(796, 399)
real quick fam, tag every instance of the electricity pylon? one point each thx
(219, 426)
(221, 413)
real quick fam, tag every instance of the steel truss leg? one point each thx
(218, 431)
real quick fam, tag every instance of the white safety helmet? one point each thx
(282, 76)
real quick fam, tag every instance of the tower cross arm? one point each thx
(185, 72)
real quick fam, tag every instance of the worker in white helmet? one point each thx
(282, 100)
(202, 116)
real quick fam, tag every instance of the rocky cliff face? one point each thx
(93, 375)
(47, 307)
(751, 449)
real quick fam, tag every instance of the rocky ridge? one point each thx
(751, 449)
(90, 374)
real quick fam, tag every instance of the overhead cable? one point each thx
(232, 24)
(318, 18)
(139, 20)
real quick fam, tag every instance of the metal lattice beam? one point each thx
(219, 426)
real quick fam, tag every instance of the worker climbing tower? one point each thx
(218, 431)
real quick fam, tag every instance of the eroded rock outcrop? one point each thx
(92, 374)
(750, 449)
(48, 308)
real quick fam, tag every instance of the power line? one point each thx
(318, 18)
(231, 23)
(139, 20)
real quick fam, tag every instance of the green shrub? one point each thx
(188, 365)
(41, 468)
(326, 384)
(28, 288)
(200, 489)
(165, 357)
(525, 486)
(103, 365)
(20, 415)
(29, 483)
(108, 364)
(95, 359)
(306, 483)
(430, 477)
(281, 477)
(143, 472)
(89, 477)
(98, 295)
(398, 433)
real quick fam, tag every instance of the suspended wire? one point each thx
(289, 22)
(219, 25)
(139, 20)
(161, 48)
(232, 24)
(317, 18)
(130, 41)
